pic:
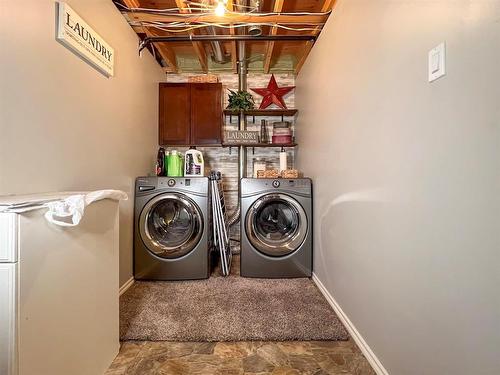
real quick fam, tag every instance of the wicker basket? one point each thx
(261, 174)
(206, 78)
(268, 173)
(290, 173)
(272, 173)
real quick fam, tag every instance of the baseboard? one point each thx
(363, 346)
(127, 285)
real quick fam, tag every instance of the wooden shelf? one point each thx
(259, 144)
(263, 112)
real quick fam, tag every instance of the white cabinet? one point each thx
(8, 318)
(9, 290)
(59, 293)
(8, 237)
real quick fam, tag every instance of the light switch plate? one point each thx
(437, 62)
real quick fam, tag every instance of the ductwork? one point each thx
(240, 5)
(255, 6)
(218, 51)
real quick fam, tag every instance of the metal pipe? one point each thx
(242, 86)
(242, 118)
(242, 125)
(223, 38)
(242, 67)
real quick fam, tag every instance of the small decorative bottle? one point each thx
(264, 138)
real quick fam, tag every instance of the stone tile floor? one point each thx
(228, 358)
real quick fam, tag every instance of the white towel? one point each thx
(66, 212)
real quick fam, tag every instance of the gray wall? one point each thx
(63, 125)
(406, 173)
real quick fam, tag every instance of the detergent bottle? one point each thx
(174, 167)
(194, 165)
(161, 165)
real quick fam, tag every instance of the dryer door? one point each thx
(171, 225)
(276, 224)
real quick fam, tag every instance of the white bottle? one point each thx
(194, 165)
(283, 161)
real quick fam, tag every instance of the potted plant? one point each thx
(240, 100)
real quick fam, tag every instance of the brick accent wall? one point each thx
(225, 160)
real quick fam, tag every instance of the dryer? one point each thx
(276, 228)
(172, 234)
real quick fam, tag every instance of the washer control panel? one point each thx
(276, 184)
(152, 184)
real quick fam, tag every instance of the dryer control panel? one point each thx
(259, 185)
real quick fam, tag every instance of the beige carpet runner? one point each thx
(228, 309)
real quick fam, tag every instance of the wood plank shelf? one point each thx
(263, 112)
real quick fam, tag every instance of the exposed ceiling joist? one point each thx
(327, 6)
(231, 18)
(278, 6)
(165, 52)
(198, 47)
(183, 36)
(202, 56)
(132, 3)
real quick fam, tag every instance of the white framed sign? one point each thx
(74, 33)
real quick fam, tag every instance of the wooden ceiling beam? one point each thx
(132, 3)
(165, 52)
(315, 19)
(198, 46)
(278, 6)
(327, 6)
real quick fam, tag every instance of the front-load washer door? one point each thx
(171, 225)
(276, 225)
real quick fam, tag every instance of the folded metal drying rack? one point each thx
(220, 227)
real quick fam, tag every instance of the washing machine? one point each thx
(276, 228)
(172, 235)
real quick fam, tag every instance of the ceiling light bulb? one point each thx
(220, 9)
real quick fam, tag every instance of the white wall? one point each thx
(63, 125)
(406, 173)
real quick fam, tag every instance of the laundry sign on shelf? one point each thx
(241, 136)
(74, 33)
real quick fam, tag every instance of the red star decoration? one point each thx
(273, 94)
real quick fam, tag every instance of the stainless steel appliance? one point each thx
(276, 228)
(172, 234)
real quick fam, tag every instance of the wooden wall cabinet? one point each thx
(190, 114)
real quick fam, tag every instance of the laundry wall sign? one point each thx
(74, 33)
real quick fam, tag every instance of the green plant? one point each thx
(240, 100)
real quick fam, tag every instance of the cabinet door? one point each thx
(8, 318)
(174, 121)
(206, 113)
